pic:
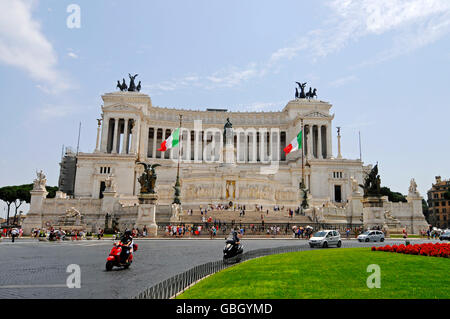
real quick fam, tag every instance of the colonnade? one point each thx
(205, 145)
(120, 136)
(317, 141)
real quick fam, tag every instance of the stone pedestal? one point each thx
(373, 212)
(34, 216)
(229, 158)
(355, 210)
(146, 213)
(108, 200)
(417, 219)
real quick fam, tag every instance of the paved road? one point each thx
(31, 269)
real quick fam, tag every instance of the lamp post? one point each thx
(176, 199)
(302, 186)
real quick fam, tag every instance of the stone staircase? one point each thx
(163, 213)
(250, 217)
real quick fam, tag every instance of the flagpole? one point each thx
(360, 155)
(176, 199)
(179, 148)
(303, 166)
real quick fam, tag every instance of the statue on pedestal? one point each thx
(148, 179)
(110, 185)
(132, 86)
(302, 86)
(355, 186)
(372, 183)
(227, 131)
(412, 191)
(40, 182)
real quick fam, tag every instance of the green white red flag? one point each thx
(295, 144)
(171, 141)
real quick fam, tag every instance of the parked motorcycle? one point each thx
(116, 258)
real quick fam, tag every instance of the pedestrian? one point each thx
(14, 233)
(145, 231)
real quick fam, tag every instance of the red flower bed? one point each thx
(428, 249)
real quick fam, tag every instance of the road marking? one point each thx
(33, 286)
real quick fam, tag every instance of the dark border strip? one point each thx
(174, 285)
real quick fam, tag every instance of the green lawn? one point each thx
(328, 273)
(401, 236)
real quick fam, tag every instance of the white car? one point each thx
(325, 238)
(371, 235)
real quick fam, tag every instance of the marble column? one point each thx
(196, 146)
(309, 142)
(125, 137)
(134, 137)
(254, 147)
(116, 126)
(142, 143)
(171, 150)
(97, 145)
(189, 146)
(245, 150)
(105, 131)
(319, 141)
(155, 136)
(329, 146)
(339, 156)
(163, 138)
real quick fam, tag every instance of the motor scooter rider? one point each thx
(127, 245)
(234, 236)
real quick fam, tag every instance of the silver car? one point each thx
(325, 238)
(371, 235)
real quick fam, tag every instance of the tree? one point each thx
(393, 196)
(7, 194)
(425, 210)
(20, 194)
(51, 191)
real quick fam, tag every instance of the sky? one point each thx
(384, 65)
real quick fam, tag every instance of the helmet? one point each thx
(127, 233)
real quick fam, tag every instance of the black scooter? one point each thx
(232, 252)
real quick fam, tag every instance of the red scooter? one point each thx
(114, 257)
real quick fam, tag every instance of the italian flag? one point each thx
(171, 142)
(296, 144)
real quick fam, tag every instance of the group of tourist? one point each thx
(302, 232)
(180, 231)
(53, 234)
(13, 232)
(242, 211)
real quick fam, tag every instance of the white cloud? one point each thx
(413, 24)
(51, 111)
(23, 45)
(232, 76)
(343, 81)
(262, 106)
(72, 55)
(229, 77)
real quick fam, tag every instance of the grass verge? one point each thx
(328, 273)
